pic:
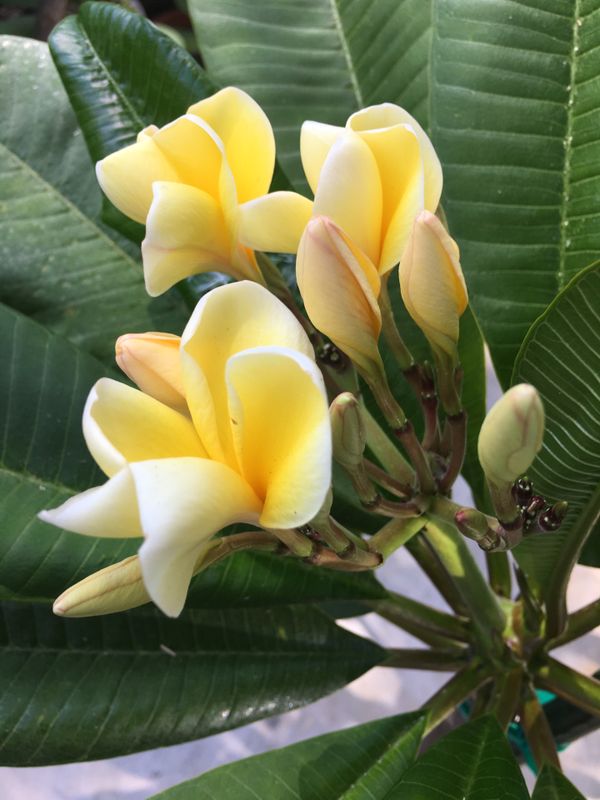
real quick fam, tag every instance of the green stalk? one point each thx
(488, 618)
(432, 660)
(581, 690)
(538, 732)
(390, 330)
(498, 566)
(424, 554)
(578, 624)
(384, 449)
(402, 610)
(453, 693)
(394, 534)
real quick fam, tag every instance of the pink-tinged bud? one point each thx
(432, 283)
(340, 286)
(152, 362)
(511, 434)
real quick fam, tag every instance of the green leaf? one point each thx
(309, 59)
(58, 264)
(475, 762)
(84, 689)
(121, 74)
(561, 358)
(364, 761)
(552, 785)
(44, 461)
(515, 115)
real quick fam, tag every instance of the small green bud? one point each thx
(348, 431)
(511, 434)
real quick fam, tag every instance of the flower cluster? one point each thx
(230, 423)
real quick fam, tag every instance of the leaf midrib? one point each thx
(335, 13)
(568, 148)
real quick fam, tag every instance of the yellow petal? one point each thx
(432, 284)
(274, 222)
(388, 115)
(185, 234)
(121, 425)
(151, 360)
(114, 588)
(229, 319)
(126, 176)
(183, 502)
(194, 152)
(349, 193)
(400, 166)
(316, 140)
(281, 429)
(247, 136)
(340, 287)
(110, 510)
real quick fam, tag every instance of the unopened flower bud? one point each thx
(432, 283)
(340, 286)
(511, 434)
(152, 362)
(114, 588)
(348, 431)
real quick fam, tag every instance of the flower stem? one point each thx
(457, 424)
(408, 438)
(434, 660)
(390, 330)
(578, 624)
(426, 557)
(385, 450)
(581, 690)
(394, 534)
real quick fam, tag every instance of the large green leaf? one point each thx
(73, 690)
(43, 386)
(552, 785)
(474, 762)
(515, 112)
(121, 74)
(57, 262)
(309, 59)
(365, 761)
(561, 358)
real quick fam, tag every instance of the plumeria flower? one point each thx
(370, 180)
(193, 182)
(232, 425)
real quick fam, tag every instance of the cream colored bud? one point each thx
(511, 434)
(152, 362)
(114, 588)
(432, 283)
(347, 430)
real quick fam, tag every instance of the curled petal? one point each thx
(340, 287)
(349, 193)
(183, 502)
(185, 234)
(121, 425)
(110, 510)
(274, 222)
(388, 115)
(247, 137)
(151, 360)
(281, 431)
(316, 140)
(231, 318)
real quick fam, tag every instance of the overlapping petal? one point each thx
(281, 432)
(122, 425)
(247, 137)
(183, 502)
(237, 317)
(274, 222)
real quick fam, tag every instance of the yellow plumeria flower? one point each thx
(253, 445)
(432, 283)
(193, 183)
(372, 177)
